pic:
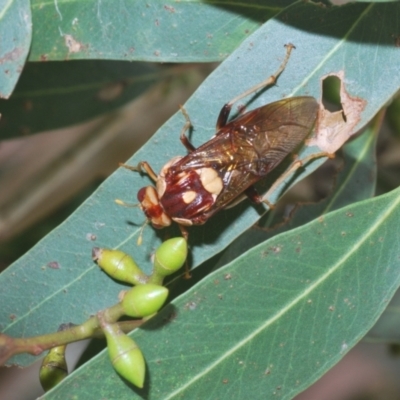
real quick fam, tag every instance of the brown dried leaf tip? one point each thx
(333, 129)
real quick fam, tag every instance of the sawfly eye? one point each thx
(150, 204)
(142, 194)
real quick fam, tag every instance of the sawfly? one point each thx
(218, 174)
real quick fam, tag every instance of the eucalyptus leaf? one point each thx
(355, 182)
(145, 31)
(16, 34)
(272, 321)
(277, 317)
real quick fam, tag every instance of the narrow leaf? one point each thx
(194, 31)
(274, 320)
(36, 298)
(15, 33)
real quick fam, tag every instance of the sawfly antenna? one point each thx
(140, 238)
(124, 204)
(134, 205)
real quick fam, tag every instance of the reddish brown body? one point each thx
(190, 189)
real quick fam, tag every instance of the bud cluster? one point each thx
(143, 300)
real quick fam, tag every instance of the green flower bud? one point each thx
(54, 368)
(125, 355)
(144, 300)
(119, 265)
(170, 256)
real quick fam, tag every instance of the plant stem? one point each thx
(35, 345)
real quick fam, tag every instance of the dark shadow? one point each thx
(347, 21)
(331, 94)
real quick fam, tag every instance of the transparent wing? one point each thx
(250, 146)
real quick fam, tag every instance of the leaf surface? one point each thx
(15, 33)
(182, 31)
(355, 182)
(267, 304)
(274, 320)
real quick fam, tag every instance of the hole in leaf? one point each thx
(331, 95)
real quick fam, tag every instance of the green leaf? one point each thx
(353, 251)
(53, 95)
(15, 33)
(355, 182)
(152, 31)
(274, 320)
